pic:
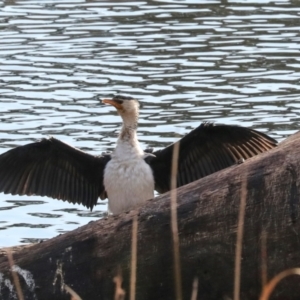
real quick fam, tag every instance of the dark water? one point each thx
(233, 62)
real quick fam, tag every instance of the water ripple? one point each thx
(231, 62)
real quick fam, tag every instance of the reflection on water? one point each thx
(233, 62)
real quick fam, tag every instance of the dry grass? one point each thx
(174, 223)
(74, 295)
(14, 275)
(239, 241)
(269, 287)
(119, 292)
(195, 289)
(133, 257)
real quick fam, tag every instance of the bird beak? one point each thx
(112, 102)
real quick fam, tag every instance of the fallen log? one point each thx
(90, 257)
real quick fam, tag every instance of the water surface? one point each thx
(233, 62)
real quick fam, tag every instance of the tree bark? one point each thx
(90, 257)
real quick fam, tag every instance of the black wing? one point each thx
(54, 169)
(205, 150)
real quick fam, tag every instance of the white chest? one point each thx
(128, 183)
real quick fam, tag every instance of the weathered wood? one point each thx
(88, 258)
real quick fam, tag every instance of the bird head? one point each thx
(123, 104)
(127, 108)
